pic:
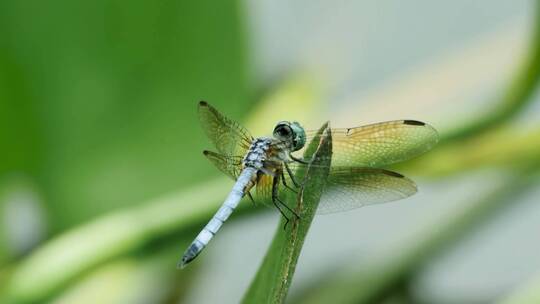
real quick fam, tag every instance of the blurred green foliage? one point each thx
(98, 99)
(97, 113)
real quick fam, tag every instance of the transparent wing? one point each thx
(263, 190)
(381, 144)
(229, 137)
(349, 188)
(230, 165)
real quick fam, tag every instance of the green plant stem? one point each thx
(274, 277)
(517, 96)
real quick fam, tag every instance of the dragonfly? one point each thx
(356, 176)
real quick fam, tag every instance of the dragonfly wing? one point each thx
(353, 187)
(381, 144)
(228, 136)
(263, 190)
(230, 165)
(347, 188)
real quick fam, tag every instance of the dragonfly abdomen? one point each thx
(244, 182)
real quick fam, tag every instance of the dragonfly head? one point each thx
(292, 133)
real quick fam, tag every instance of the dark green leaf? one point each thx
(274, 277)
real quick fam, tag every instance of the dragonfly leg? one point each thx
(251, 198)
(276, 200)
(298, 160)
(285, 183)
(291, 176)
(282, 214)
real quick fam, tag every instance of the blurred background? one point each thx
(103, 184)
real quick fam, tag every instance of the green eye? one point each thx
(299, 136)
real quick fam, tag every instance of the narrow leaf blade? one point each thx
(272, 282)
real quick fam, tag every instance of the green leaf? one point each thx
(274, 277)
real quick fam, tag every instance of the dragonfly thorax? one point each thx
(257, 153)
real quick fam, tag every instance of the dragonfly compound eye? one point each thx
(283, 130)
